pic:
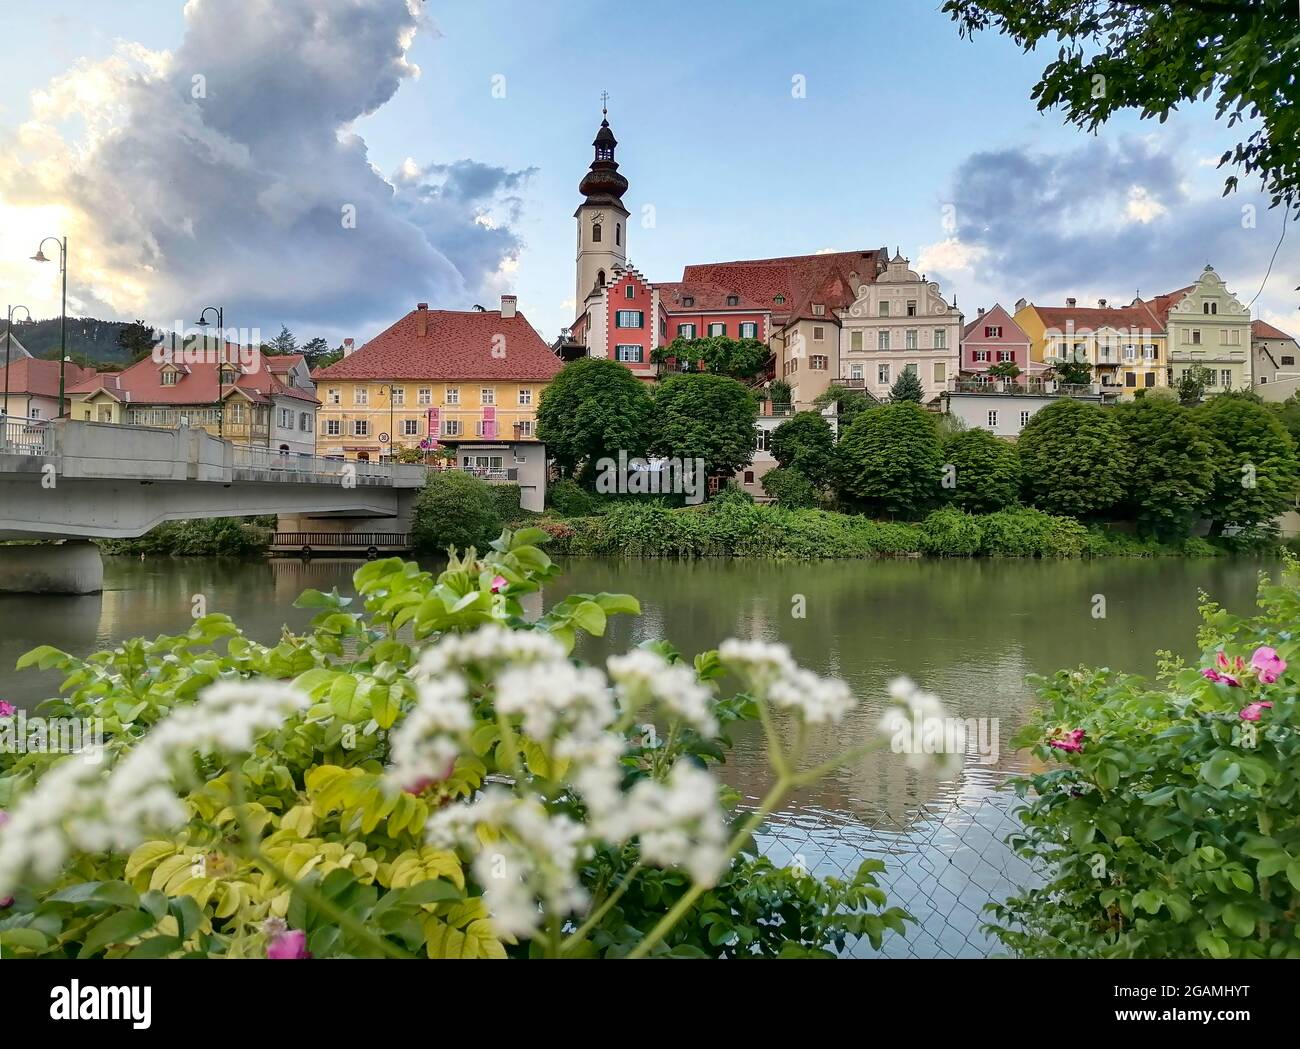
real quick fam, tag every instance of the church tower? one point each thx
(602, 219)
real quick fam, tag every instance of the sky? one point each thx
(325, 164)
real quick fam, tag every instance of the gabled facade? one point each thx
(1274, 354)
(899, 322)
(1123, 346)
(1206, 325)
(30, 387)
(994, 338)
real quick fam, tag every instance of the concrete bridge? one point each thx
(82, 480)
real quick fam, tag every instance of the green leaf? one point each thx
(124, 925)
(590, 617)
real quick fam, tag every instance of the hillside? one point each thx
(93, 339)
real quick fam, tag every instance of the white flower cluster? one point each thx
(556, 696)
(427, 742)
(679, 823)
(530, 869)
(643, 674)
(774, 676)
(75, 807)
(919, 726)
(489, 646)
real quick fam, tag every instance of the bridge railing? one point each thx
(284, 465)
(23, 436)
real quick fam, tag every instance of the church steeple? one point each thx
(603, 184)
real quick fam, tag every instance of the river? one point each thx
(968, 630)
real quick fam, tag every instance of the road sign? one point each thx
(383, 438)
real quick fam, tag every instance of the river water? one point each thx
(969, 630)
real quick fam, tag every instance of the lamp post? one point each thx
(63, 312)
(9, 327)
(202, 322)
(392, 391)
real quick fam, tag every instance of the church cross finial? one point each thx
(604, 103)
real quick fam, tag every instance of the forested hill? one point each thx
(92, 339)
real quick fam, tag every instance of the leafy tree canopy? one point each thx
(1256, 475)
(1174, 462)
(593, 409)
(889, 460)
(738, 358)
(1152, 55)
(849, 404)
(1073, 459)
(453, 509)
(705, 416)
(1191, 385)
(985, 474)
(805, 442)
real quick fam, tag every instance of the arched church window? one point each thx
(600, 278)
(595, 233)
(618, 233)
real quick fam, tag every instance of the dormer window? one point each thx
(688, 300)
(227, 374)
(733, 300)
(170, 377)
(819, 310)
(779, 300)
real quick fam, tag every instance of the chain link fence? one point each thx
(943, 863)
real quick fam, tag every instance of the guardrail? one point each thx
(342, 540)
(24, 436)
(284, 465)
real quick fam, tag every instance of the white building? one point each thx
(1002, 413)
(899, 322)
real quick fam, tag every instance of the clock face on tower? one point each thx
(597, 218)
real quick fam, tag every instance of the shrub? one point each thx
(1031, 533)
(951, 533)
(570, 499)
(201, 537)
(1172, 466)
(1257, 473)
(453, 509)
(805, 443)
(351, 791)
(1166, 816)
(986, 471)
(790, 488)
(505, 497)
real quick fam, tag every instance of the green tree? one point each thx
(790, 488)
(136, 339)
(1289, 414)
(849, 404)
(1073, 373)
(985, 474)
(1191, 385)
(314, 351)
(805, 442)
(282, 344)
(705, 416)
(1073, 459)
(1256, 474)
(907, 387)
(889, 460)
(778, 392)
(738, 358)
(1005, 370)
(593, 409)
(454, 509)
(1151, 56)
(1173, 465)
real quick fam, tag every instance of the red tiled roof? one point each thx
(707, 297)
(1162, 304)
(1139, 317)
(1264, 330)
(141, 383)
(802, 279)
(27, 375)
(457, 345)
(1010, 329)
(281, 364)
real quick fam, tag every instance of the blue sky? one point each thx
(901, 117)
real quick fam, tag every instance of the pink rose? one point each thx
(499, 583)
(1213, 675)
(1072, 744)
(1254, 711)
(8, 710)
(292, 944)
(1266, 663)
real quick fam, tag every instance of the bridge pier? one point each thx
(63, 568)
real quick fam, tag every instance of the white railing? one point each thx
(273, 464)
(24, 436)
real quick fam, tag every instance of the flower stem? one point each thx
(598, 915)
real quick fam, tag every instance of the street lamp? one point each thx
(202, 322)
(63, 313)
(392, 456)
(9, 327)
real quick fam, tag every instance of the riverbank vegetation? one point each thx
(1166, 815)
(201, 537)
(358, 790)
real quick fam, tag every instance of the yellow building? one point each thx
(1124, 347)
(438, 378)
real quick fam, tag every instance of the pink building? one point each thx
(993, 337)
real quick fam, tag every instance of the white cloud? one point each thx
(949, 256)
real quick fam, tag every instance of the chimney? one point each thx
(1071, 303)
(1101, 304)
(981, 313)
(1021, 304)
(509, 306)
(349, 347)
(422, 321)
